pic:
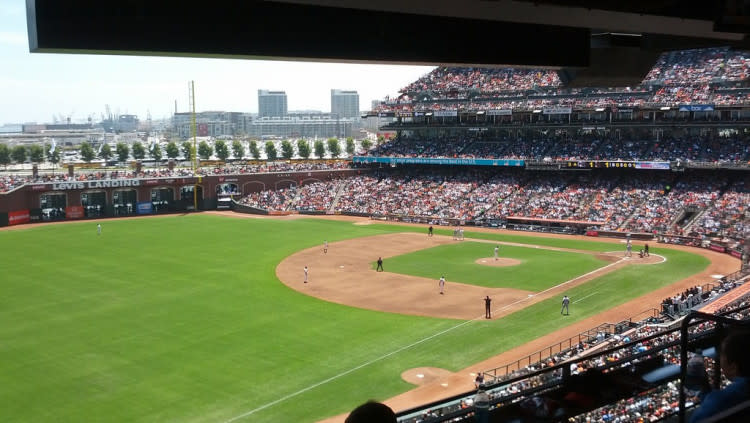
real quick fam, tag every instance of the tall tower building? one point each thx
(272, 103)
(345, 104)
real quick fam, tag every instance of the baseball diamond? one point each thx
(216, 308)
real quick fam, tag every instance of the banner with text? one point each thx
(697, 108)
(145, 207)
(436, 161)
(74, 212)
(18, 217)
(503, 112)
(557, 110)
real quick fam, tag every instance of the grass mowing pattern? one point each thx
(539, 269)
(182, 319)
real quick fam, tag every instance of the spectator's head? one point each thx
(372, 412)
(735, 361)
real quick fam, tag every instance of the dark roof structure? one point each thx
(596, 42)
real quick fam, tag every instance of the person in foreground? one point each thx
(735, 363)
(372, 412)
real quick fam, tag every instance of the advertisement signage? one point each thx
(35, 215)
(74, 212)
(557, 110)
(446, 113)
(202, 130)
(652, 165)
(18, 217)
(718, 248)
(145, 207)
(436, 161)
(697, 108)
(502, 112)
(109, 183)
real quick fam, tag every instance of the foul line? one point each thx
(383, 357)
(583, 298)
(344, 373)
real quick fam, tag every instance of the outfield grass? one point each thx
(539, 268)
(182, 319)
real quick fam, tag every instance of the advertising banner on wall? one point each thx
(74, 212)
(696, 108)
(19, 217)
(35, 215)
(557, 110)
(145, 207)
(499, 112)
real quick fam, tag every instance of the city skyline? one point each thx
(38, 87)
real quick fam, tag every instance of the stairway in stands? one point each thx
(341, 189)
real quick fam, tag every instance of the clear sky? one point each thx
(34, 87)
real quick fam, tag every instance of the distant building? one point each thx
(272, 103)
(345, 104)
(301, 126)
(122, 123)
(212, 124)
(11, 128)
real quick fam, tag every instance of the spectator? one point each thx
(735, 363)
(371, 412)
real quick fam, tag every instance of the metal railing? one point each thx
(586, 337)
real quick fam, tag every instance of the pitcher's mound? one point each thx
(422, 375)
(500, 262)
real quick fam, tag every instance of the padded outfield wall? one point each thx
(24, 204)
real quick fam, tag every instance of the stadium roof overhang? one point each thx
(611, 39)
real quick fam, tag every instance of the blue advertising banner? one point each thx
(436, 161)
(697, 108)
(145, 207)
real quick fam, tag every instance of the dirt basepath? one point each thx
(344, 275)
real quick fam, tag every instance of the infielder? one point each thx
(441, 284)
(497, 248)
(565, 303)
(305, 274)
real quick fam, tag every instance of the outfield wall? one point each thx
(135, 196)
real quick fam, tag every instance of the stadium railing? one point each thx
(624, 377)
(586, 337)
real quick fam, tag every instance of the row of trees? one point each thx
(37, 153)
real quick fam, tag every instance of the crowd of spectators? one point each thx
(317, 196)
(270, 200)
(700, 66)
(690, 76)
(658, 213)
(645, 203)
(729, 218)
(592, 146)
(450, 82)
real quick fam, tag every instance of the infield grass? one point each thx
(539, 268)
(181, 319)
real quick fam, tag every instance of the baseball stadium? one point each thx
(511, 249)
